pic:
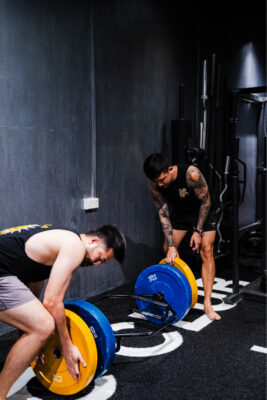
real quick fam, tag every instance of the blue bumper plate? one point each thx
(101, 330)
(169, 281)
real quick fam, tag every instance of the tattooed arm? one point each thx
(196, 181)
(164, 216)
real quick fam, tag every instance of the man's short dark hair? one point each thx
(155, 164)
(112, 238)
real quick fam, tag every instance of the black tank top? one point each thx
(181, 199)
(13, 258)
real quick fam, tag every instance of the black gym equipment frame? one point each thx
(253, 291)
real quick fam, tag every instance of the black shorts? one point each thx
(186, 222)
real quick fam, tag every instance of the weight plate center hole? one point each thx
(57, 352)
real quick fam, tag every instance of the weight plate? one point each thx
(172, 283)
(184, 268)
(53, 374)
(101, 330)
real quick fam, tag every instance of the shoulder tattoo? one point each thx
(196, 181)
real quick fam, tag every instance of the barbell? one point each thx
(164, 294)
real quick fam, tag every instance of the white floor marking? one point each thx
(195, 326)
(172, 341)
(217, 307)
(136, 315)
(259, 349)
(221, 284)
(104, 388)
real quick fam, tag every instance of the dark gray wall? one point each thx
(140, 60)
(46, 148)
(44, 113)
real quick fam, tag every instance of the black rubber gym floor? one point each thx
(221, 360)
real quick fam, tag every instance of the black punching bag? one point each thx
(180, 133)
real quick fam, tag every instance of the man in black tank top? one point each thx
(181, 197)
(28, 255)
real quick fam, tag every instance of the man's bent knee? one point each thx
(206, 251)
(46, 327)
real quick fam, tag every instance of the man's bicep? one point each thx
(57, 285)
(67, 261)
(158, 199)
(196, 181)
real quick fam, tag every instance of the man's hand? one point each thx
(171, 255)
(72, 358)
(195, 241)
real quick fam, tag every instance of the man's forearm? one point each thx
(164, 216)
(58, 313)
(166, 224)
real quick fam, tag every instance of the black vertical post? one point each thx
(263, 177)
(180, 132)
(235, 244)
(235, 199)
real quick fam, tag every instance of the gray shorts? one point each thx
(13, 293)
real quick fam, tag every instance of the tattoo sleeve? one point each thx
(164, 215)
(196, 181)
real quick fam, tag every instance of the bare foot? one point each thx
(212, 315)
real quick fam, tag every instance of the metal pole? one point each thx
(263, 177)
(235, 229)
(204, 98)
